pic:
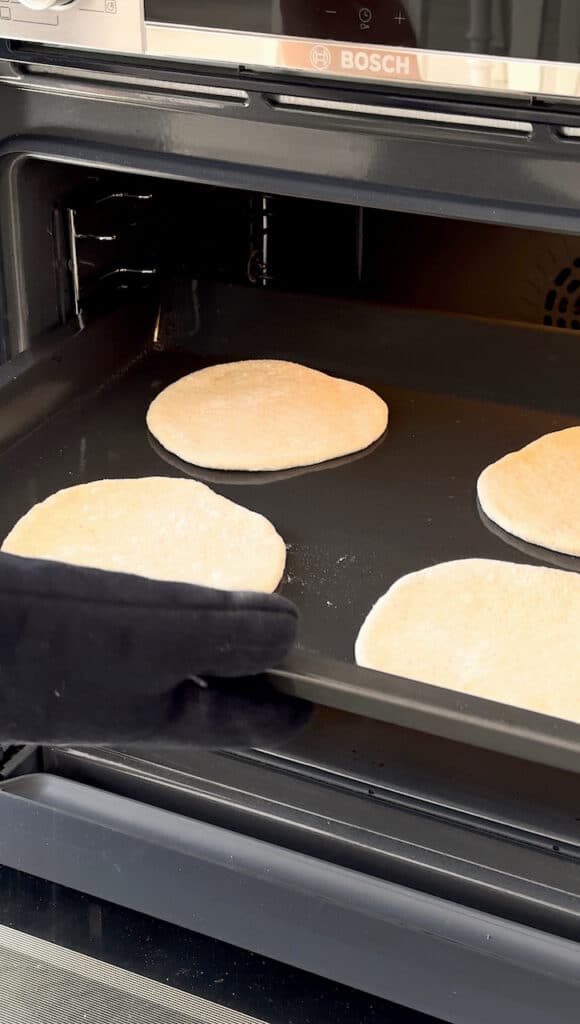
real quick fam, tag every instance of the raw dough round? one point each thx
(506, 632)
(264, 414)
(535, 493)
(158, 527)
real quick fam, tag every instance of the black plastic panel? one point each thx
(386, 23)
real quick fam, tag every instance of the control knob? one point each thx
(43, 5)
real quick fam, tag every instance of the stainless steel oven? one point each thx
(173, 175)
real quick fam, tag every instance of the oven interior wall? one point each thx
(75, 240)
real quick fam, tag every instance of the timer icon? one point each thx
(365, 14)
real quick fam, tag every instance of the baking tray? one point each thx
(461, 393)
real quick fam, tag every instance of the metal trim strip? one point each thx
(113, 78)
(408, 113)
(332, 60)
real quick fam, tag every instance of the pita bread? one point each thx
(162, 528)
(534, 493)
(264, 414)
(506, 632)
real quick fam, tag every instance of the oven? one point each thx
(521, 46)
(390, 193)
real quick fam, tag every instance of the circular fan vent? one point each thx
(562, 303)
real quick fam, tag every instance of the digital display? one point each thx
(547, 30)
(385, 22)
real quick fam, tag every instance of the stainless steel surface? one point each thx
(113, 26)
(50, 80)
(43, 983)
(43, 5)
(118, 26)
(379, 63)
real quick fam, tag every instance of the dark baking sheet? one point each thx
(461, 393)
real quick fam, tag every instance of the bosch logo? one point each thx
(320, 58)
(398, 64)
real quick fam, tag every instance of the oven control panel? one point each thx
(528, 47)
(113, 26)
(43, 5)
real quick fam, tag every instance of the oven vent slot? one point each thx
(311, 105)
(175, 91)
(109, 247)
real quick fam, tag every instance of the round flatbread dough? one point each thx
(264, 414)
(535, 493)
(158, 527)
(506, 632)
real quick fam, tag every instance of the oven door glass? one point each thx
(533, 29)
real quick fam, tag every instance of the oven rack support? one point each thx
(112, 273)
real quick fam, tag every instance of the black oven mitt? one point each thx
(98, 658)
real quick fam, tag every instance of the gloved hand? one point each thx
(99, 658)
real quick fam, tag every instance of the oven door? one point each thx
(67, 956)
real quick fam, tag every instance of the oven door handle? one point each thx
(98, 657)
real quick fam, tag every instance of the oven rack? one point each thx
(102, 254)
